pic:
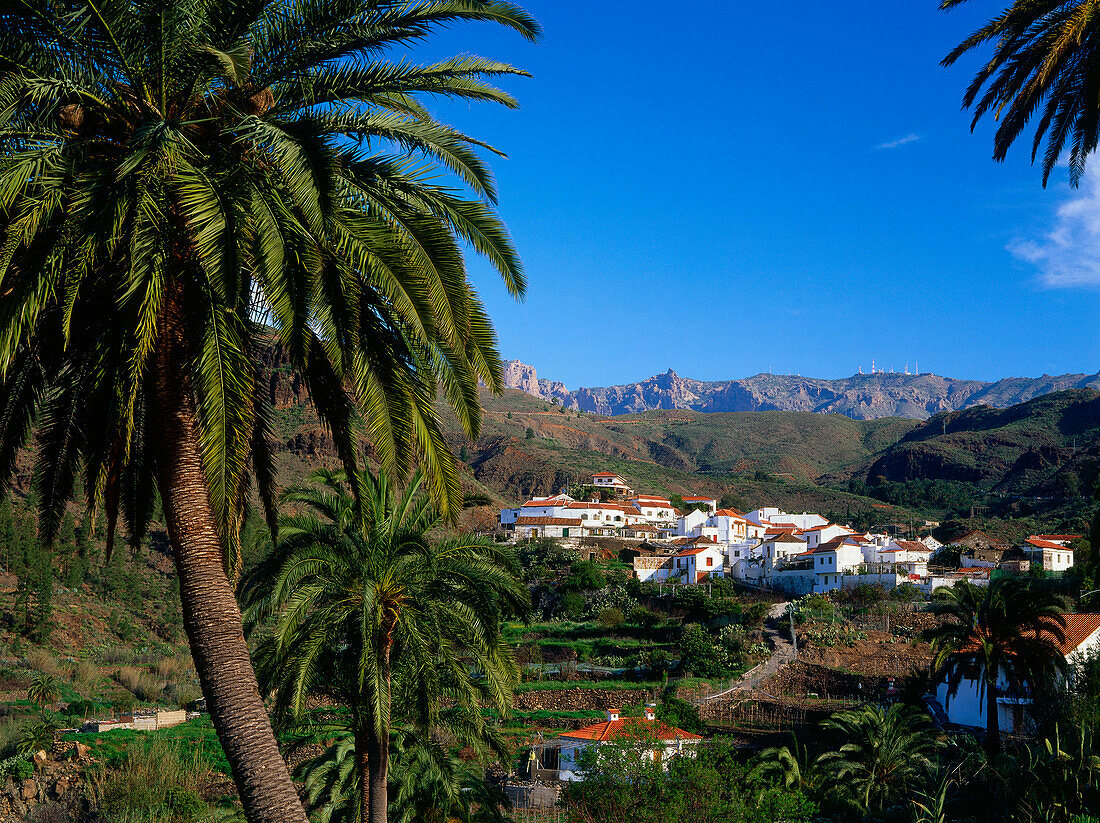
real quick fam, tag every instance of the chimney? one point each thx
(612, 714)
(650, 711)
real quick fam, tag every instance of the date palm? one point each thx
(1008, 632)
(357, 604)
(44, 690)
(184, 183)
(882, 753)
(1045, 71)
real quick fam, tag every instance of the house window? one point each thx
(710, 561)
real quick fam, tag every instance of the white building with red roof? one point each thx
(1053, 555)
(658, 741)
(709, 502)
(612, 481)
(657, 511)
(968, 705)
(695, 560)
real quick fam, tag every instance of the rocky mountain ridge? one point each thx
(861, 396)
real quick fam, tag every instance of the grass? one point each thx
(196, 736)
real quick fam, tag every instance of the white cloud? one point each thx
(1069, 255)
(901, 141)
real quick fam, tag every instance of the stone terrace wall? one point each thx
(561, 700)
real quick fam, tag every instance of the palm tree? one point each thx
(790, 766)
(882, 753)
(44, 690)
(1008, 631)
(186, 182)
(1044, 66)
(363, 607)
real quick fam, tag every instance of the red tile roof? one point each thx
(1046, 544)
(630, 727)
(912, 545)
(1057, 537)
(697, 499)
(1079, 627)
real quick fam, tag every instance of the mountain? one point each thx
(1046, 447)
(861, 396)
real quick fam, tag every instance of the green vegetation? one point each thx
(357, 605)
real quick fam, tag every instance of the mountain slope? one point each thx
(861, 396)
(1046, 447)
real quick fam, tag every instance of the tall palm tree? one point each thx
(882, 754)
(44, 690)
(1045, 65)
(1008, 632)
(361, 606)
(184, 182)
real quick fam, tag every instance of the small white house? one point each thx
(967, 707)
(703, 559)
(654, 510)
(660, 742)
(1053, 556)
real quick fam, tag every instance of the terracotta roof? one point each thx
(1057, 537)
(546, 521)
(694, 551)
(784, 537)
(607, 474)
(1079, 627)
(697, 499)
(979, 570)
(629, 727)
(912, 545)
(1046, 544)
(729, 513)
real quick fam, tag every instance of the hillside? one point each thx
(1046, 447)
(861, 396)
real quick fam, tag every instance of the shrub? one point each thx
(85, 677)
(648, 620)
(611, 618)
(22, 770)
(42, 661)
(572, 605)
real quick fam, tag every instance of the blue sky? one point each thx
(728, 188)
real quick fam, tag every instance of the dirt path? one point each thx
(777, 630)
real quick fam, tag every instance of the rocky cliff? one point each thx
(861, 396)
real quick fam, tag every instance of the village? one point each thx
(767, 548)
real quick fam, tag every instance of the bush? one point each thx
(572, 605)
(42, 661)
(22, 770)
(611, 618)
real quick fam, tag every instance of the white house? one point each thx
(612, 481)
(778, 547)
(732, 527)
(547, 527)
(908, 557)
(817, 535)
(1054, 556)
(654, 510)
(701, 559)
(536, 507)
(832, 560)
(709, 502)
(661, 742)
(967, 707)
(690, 523)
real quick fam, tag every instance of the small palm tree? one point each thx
(44, 690)
(37, 737)
(791, 766)
(1044, 71)
(363, 607)
(1008, 632)
(882, 754)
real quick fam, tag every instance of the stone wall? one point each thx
(56, 784)
(561, 700)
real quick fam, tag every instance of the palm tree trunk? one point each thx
(992, 722)
(378, 763)
(211, 615)
(362, 765)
